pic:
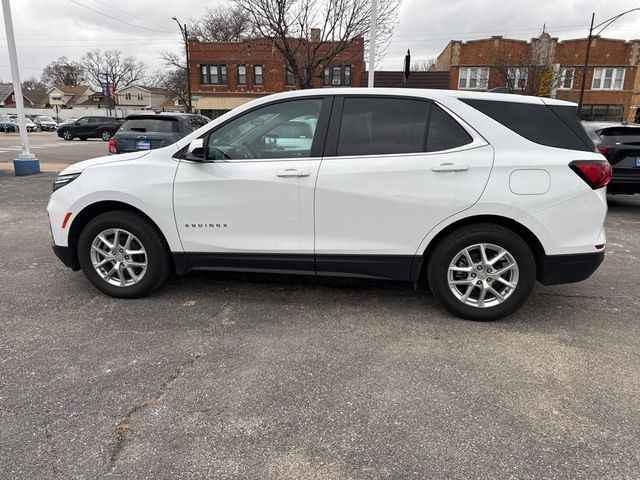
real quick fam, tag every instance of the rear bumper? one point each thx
(65, 256)
(558, 269)
(624, 183)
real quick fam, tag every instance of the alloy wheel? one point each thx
(119, 257)
(483, 275)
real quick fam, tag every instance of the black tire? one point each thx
(66, 134)
(448, 248)
(159, 266)
(105, 135)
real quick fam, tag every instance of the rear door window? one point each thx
(380, 126)
(157, 125)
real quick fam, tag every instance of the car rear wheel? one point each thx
(482, 272)
(66, 134)
(123, 255)
(105, 135)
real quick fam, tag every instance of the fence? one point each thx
(75, 112)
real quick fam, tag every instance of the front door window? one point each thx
(277, 131)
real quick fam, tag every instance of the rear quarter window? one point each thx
(550, 125)
(444, 132)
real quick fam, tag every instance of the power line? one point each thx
(118, 19)
(129, 13)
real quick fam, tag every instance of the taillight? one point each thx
(603, 150)
(597, 173)
(112, 145)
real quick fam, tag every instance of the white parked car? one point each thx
(482, 194)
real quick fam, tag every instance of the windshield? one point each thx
(158, 125)
(45, 119)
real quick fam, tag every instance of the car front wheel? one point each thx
(482, 272)
(66, 134)
(123, 255)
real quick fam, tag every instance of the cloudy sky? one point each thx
(47, 29)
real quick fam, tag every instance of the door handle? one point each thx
(450, 167)
(292, 172)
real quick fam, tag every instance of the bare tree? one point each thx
(340, 23)
(424, 65)
(174, 81)
(63, 72)
(529, 71)
(33, 85)
(111, 66)
(221, 24)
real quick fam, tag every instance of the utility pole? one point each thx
(586, 64)
(183, 30)
(604, 25)
(372, 41)
(26, 163)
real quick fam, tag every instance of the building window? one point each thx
(602, 113)
(140, 96)
(475, 78)
(127, 96)
(213, 74)
(517, 77)
(337, 76)
(290, 79)
(566, 78)
(606, 78)
(242, 74)
(257, 75)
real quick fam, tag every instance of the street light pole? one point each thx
(26, 163)
(590, 38)
(183, 30)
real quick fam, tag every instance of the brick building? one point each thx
(225, 75)
(548, 67)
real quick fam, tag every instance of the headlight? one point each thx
(63, 180)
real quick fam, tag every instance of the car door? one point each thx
(394, 168)
(248, 205)
(83, 126)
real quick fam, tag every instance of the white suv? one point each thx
(480, 193)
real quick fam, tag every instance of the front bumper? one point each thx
(558, 269)
(66, 256)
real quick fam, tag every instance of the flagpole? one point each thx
(26, 163)
(372, 41)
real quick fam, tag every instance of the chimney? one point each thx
(315, 35)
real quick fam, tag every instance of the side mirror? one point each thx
(195, 151)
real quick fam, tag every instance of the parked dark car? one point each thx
(45, 123)
(154, 130)
(620, 143)
(90, 127)
(7, 125)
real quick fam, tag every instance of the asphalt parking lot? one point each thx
(53, 152)
(238, 376)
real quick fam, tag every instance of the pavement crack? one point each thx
(123, 427)
(50, 441)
